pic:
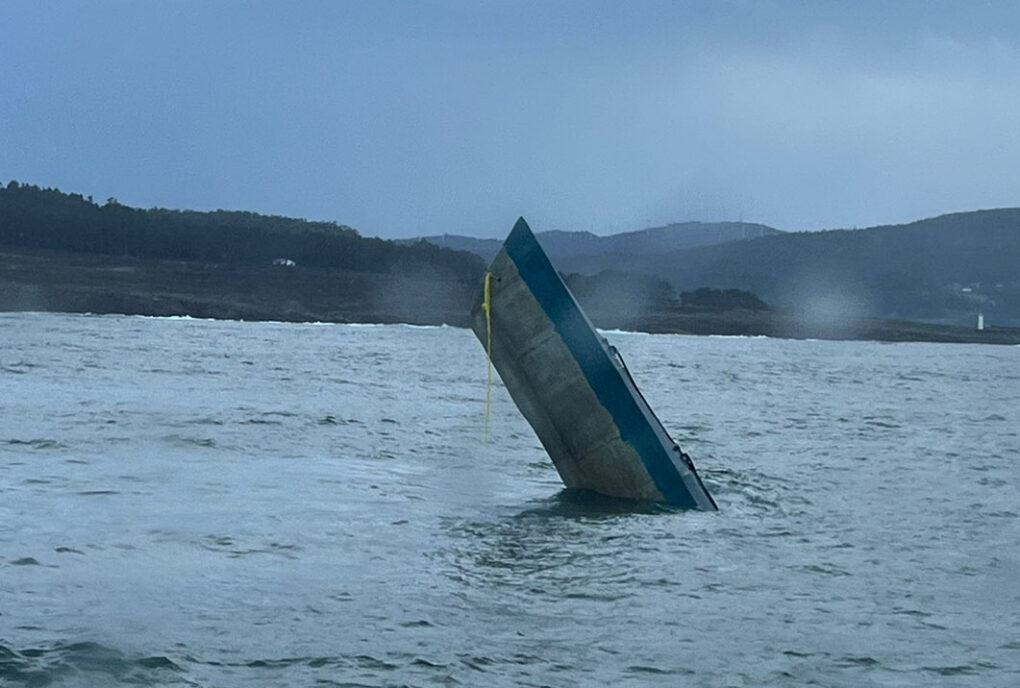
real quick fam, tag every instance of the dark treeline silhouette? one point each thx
(586, 253)
(943, 269)
(719, 300)
(64, 252)
(618, 294)
(42, 218)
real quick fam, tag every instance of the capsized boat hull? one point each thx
(573, 387)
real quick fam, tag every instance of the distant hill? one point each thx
(486, 249)
(632, 298)
(944, 269)
(671, 237)
(39, 218)
(594, 252)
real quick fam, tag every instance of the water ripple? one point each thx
(200, 503)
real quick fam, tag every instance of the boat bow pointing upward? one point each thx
(573, 387)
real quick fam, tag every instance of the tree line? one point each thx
(47, 218)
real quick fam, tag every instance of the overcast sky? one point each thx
(411, 118)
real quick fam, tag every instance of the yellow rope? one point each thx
(487, 307)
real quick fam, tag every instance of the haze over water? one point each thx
(198, 503)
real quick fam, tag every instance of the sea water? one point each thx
(202, 503)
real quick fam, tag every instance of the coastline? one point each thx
(40, 280)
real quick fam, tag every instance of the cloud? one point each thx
(403, 118)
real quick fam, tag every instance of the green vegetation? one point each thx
(584, 252)
(944, 270)
(617, 295)
(39, 218)
(720, 300)
(65, 252)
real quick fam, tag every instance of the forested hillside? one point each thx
(595, 253)
(65, 252)
(944, 269)
(40, 218)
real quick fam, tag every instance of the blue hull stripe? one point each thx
(605, 380)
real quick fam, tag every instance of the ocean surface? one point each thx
(200, 503)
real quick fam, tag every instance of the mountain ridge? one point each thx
(945, 269)
(560, 244)
(942, 269)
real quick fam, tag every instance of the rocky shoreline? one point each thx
(38, 280)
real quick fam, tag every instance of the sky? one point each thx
(425, 117)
